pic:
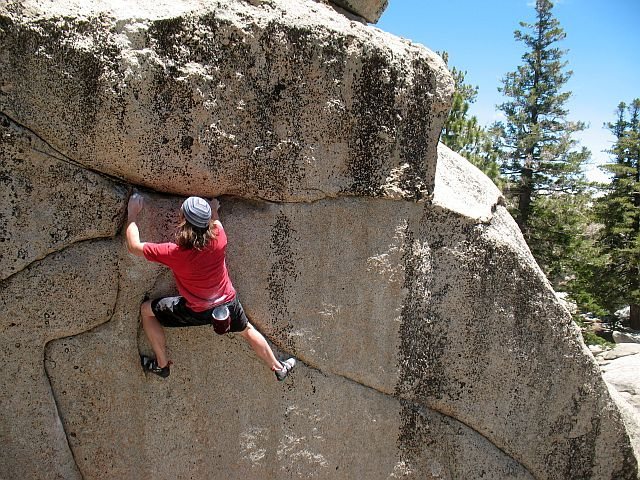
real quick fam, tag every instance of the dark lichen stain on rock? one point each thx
(264, 87)
(376, 121)
(428, 369)
(283, 275)
(573, 456)
(629, 469)
(172, 103)
(72, 75)
(186, 143)
(275, 167)
(422, 336)
(166, 34)
(415, 132)
(414, 438)
(277, 93)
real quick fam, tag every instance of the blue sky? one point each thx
(603, 43)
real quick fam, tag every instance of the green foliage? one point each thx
(463, 134)
(587, 246)
(536, 147)
(538, 156)
(585, 284)
(606, 266)
(557, 234)
(589, 337)
(619, 212)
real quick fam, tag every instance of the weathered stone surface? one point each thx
(303, 292)
(65, 294)
(620, 350)
(621, 376)
(622, 373)
(286, 293)
(621, 338)
(630, 416)
(48, 202)
(320, 425)
(469, 318)
(280, 101)
(463, 189)
(292, 434)
(430, 344)
(370, 10)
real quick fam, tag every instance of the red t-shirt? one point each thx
(201, 276)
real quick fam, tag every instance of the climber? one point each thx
(206, 295)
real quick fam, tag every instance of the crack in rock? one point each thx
(54, 252)
(30, 323)
(420, 409)
(46, 148)
(48, 374)
(74, 204)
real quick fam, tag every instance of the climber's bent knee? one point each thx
(145, 309)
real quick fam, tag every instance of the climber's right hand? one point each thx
(215, 204)
(136, 202)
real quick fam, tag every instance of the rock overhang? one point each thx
(261, 101)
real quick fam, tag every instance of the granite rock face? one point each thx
(63, 295)
(430, 345)
(620, 368)
(49, 201)
(370, 10)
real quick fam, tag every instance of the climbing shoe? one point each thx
(287, 365)
(151, 365)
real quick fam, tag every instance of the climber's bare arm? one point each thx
(134, 245)
(215, 206)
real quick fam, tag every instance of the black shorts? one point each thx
(173, 312)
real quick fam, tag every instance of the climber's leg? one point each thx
(155, 334)
(261, 347)
(240, 324)
(263, 350)
(167, 312)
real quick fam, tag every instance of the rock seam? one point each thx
(53, 392)
(418, 408)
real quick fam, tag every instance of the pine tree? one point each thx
(463, 134)
(619, 213)
(537, 152)
(557, 237)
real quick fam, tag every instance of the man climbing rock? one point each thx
(206, 294)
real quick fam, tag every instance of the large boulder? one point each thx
(283, 101)
(430, 343)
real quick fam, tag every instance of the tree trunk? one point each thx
(524, 201)
(634, 316)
